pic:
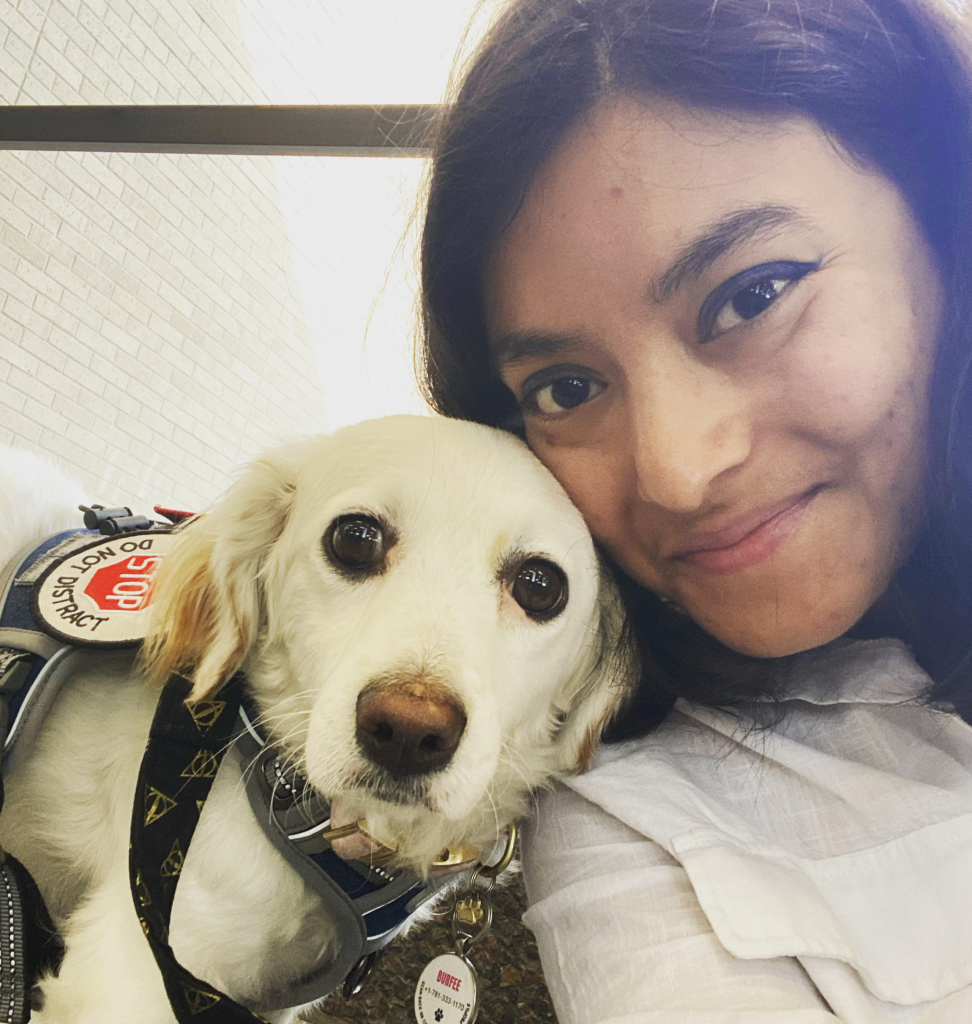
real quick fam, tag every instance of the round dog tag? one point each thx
(100, 594)
(446, 992)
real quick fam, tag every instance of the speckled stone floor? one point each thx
(511, 985)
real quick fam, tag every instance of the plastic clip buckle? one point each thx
(111, 521)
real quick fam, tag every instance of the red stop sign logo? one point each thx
(124, 586)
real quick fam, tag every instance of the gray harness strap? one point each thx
(33, 665)
(370, 903)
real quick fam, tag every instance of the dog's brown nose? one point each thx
(409, 728)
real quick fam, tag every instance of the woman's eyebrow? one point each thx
(716, 240)
(695, 258)
(516, 346)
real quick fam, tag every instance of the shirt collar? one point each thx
(854, 672)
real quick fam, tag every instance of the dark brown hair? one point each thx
(887, 80)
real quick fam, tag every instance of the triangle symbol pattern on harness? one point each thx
(172, 865)
(199, 999)
(144, 896)
(203, 766)
(205, 712)
(157, 804)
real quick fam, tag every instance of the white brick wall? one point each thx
(153, 332)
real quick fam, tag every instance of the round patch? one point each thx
(446, 992)
(101, 594)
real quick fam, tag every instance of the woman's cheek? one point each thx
(590, 473)
(859, 382)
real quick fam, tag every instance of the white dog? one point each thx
(403, 574)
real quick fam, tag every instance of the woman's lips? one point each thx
(742, 544)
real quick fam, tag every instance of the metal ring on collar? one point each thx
(492, 870)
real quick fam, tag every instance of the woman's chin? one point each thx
(778, 631)
(812, 591)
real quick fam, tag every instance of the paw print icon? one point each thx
(439, 1015)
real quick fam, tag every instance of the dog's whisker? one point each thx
(280, 712)
(299, 720)
(286, 744)
(248, 768)
(498, 828)
(517, 770)
(268, 719)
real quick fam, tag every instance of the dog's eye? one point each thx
(540, 588)
(355, 542)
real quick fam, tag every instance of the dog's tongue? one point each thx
(354, 847)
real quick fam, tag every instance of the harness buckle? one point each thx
(111, 521)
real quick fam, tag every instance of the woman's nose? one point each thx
(690, 425)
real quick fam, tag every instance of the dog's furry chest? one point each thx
(67, 815)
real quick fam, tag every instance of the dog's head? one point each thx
(421, 616)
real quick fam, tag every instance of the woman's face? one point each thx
(720, 332)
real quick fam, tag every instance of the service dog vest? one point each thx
(61, 603)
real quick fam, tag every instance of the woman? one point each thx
(713, 258)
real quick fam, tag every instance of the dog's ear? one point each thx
(208, 604)
(605, 682)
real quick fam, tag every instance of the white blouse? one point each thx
(818, 871)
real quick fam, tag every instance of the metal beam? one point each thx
(402, 130)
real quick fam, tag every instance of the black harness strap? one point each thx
(30, 945)
(186, 744)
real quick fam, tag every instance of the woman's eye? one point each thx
(562, 393)
(747, 295)
(748, 303)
